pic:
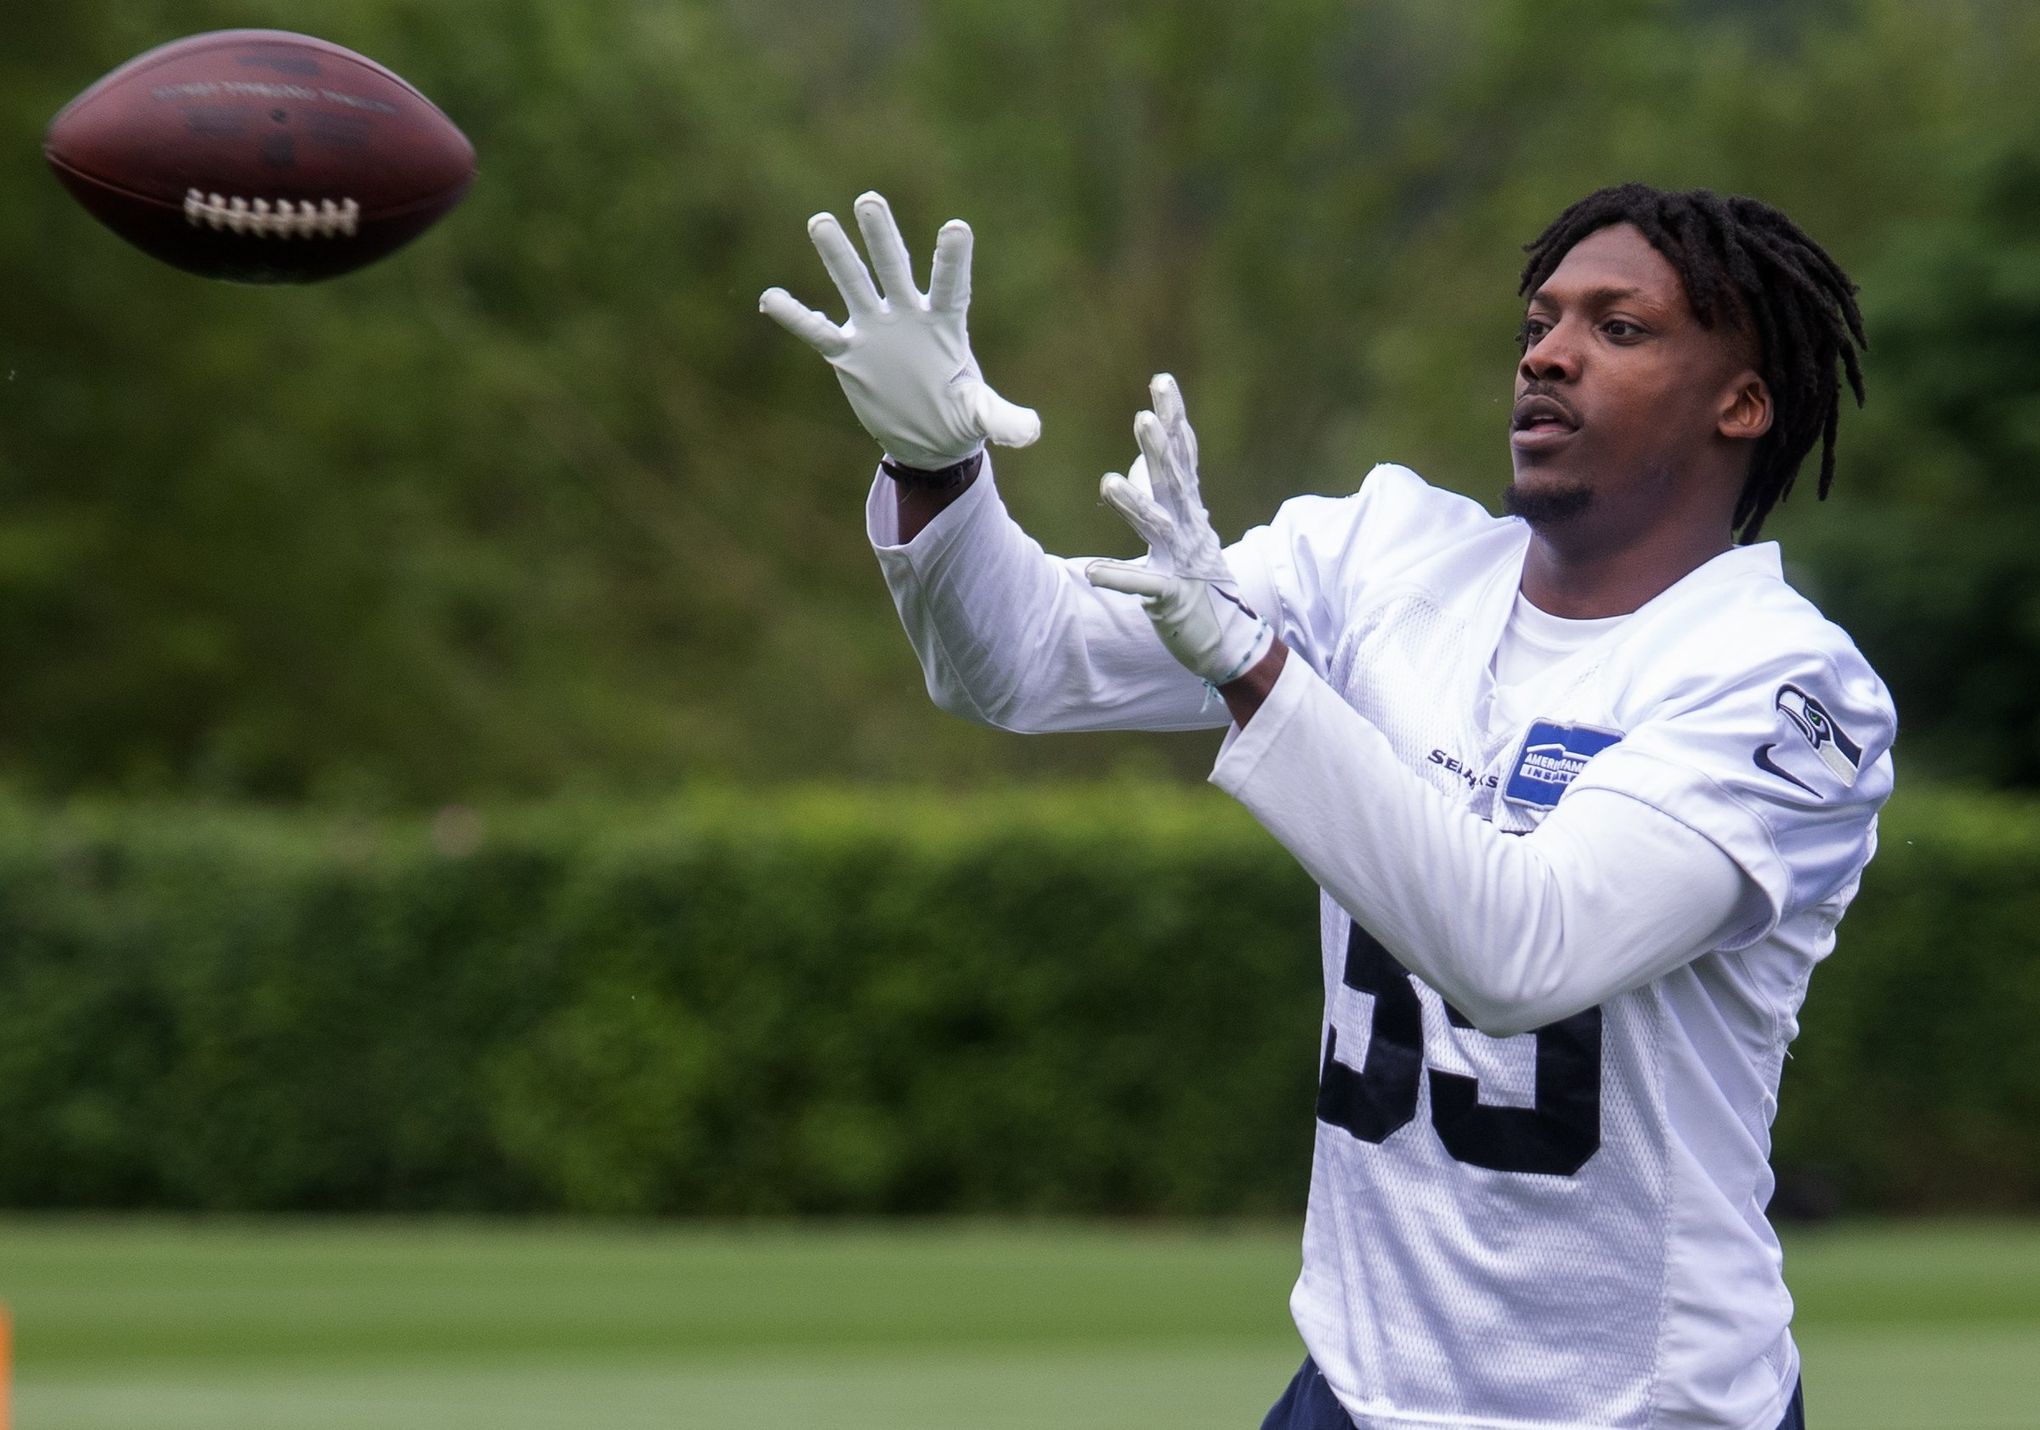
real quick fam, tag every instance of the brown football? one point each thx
(260, 156)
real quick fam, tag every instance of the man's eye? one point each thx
(1528, 335)
(1621, 328)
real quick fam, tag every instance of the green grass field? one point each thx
(154, 1325)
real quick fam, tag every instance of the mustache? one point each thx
(1540, 391)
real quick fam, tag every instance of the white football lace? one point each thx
(262, 218)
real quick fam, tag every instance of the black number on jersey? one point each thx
(1555, 1137)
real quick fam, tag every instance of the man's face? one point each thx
(1620, 390)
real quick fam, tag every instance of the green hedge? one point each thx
(1915, 1083)
(1097, 1000)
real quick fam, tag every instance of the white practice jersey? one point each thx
(1560, 1229)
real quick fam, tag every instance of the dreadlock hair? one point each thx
(1741, 259)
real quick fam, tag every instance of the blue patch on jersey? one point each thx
(1552, 757)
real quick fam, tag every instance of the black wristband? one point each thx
(940, 479)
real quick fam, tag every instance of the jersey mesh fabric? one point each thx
(1402, 1221)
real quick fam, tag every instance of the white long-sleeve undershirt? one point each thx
(1514, 931)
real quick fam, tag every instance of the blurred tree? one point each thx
(542, 502)
(1936, 555)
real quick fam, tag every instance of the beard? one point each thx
(1547, 506)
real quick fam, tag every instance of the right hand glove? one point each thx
(902, 356)
(1187, 588)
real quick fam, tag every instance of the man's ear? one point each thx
(1746, 409)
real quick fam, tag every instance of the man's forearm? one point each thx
(1010, 636)
(1244, 696)
(922, 496)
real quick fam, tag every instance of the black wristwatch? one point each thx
(940, 479)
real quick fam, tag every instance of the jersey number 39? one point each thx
(1554, 1137)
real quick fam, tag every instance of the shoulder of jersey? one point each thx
(1755, 614)
(1395, 520)
(1754, 632)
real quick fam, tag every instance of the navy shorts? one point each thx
(1309, 1404)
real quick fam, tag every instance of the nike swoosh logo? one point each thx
(1763, 761)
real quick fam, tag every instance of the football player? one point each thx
(1587, 788)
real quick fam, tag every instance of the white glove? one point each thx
(902, 356)
(1185, 584)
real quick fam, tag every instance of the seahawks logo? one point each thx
(1833, 745)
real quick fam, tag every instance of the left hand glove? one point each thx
(1189, 592)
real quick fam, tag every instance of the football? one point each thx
(260, 156)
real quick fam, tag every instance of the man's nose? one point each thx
(1554, 357)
